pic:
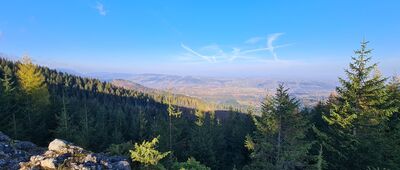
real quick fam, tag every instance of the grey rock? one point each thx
(58, 145)
(122, 165)
(61, 154)
(24, 145)
(4, 138)
(14, 152)
(48, 163)
(65, 155)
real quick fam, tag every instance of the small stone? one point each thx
(90, 158)
(48, 163)
(122, 165)
(36, 158)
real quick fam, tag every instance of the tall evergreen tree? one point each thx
(8, 103)
(392, 134)
(64, 128)
(361, 112)
(202, 142)
(278, 142)
(361, 97)
(172, 112)
(393, 89)
(35, 97)
(86, 125)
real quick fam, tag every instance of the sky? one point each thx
(272, 38)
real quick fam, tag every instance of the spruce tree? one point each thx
(279, 139)
(172, 112)
(86, 125)
(361, 112)
(392, 134)
(202, 142)
(393, 89)
(8, 103)
(361, 97)
(147, 154)
(64, 128)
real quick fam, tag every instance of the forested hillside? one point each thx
(358, 127)
(40, 104)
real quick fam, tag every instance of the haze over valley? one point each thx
(228, 91)
(200, 85)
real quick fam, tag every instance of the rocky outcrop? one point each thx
(12, 152)
(60, 155)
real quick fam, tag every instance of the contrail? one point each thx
(235, 54)
(210, 59)
(238, 53)
(264, 49)
(271, 39)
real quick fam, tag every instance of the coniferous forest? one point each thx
(357, 127)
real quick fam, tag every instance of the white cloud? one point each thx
(100, 8)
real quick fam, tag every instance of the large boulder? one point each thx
(65, 155)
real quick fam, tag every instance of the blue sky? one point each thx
(292, 39)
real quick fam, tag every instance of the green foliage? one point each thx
(190, 164)
(279, 139)
(249, 143)
(8, 102)
(64, 128)
(146, 153)
(362, 97)
(172, 111)
(199, 117)
(358, 127)
(32, 82)
(120, 149)
(99, 114)
(360, 113)
(35, 96)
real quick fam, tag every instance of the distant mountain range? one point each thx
(226, 91)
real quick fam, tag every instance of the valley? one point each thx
(239, 92)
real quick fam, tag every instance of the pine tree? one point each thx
(8, 103)
(393, 89)
(64, 129)
(362, 96)
(278, 142)
(147, 154)
(202, 142)
(86, 125)
(392, 134)
(361, 112)
(172, 112)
